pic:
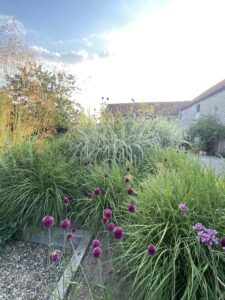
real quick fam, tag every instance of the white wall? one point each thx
(213, 105)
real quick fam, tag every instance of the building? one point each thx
(210, 102)
(150, 109)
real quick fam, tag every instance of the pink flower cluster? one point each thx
(207, 236)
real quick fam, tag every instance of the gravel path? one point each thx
(25, 271)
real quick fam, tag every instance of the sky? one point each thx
(146, 50)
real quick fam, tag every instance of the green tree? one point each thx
(44, 97)
(206, 132)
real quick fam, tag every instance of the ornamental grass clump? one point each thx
(182, 266)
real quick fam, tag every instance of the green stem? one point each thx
(82, 270)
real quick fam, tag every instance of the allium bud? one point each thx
(131, 207)
(127, 179)
(95, 243)
(130, 191)
(222, 242)
(111, 227)
(97, 191)
(118, 233)
(65, 224)
(104, 220)
(90, 194)
(66, 200)
(151, 250)
(55, 256)
(97, 252)
(69, 235)
(73, 229)
(48, 222)
(107, 213)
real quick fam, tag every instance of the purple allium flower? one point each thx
(208, 236)
(131, 207)
(107, 213)
(111, 227)
(151, 250)
(182, 207)
(90, 194)
(73, 230)
(95, 243)
(65, 224)
(97, 252)
(130, 191)
(104, 220)
(69, 235)
(97, 191)
(48, 222)
(222, 242)
(118, 233)
(66, 200)
(127, 179)
(55, 256)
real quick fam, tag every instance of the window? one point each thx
(198, 108)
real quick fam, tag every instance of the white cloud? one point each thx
(174, 52)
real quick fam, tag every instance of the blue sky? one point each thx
(148, 50)
(63, 25)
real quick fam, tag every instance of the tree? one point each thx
(206, 132)
(44, 97)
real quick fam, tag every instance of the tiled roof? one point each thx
(168, 108)
(211, 91)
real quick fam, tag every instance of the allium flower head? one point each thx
(198, 227)
(118, 233)
(69, 235)
(222, 242)
(182, 207)
(97, 252)
(131, 207)
(151, 250)
(48, 222)
(111, 227)
(104, 220)
(66, 200)
(55, 256)
(95, 243)
(130, 191)
(65, 224)
(97, 191)
(73, 230)
(107, 213)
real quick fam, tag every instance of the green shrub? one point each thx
(206, 132)
(120, 139)
(34, 177)
(183, 267)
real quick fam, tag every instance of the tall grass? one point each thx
(183, 267)
(34, 177)
(120, 139)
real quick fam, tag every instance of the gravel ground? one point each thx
(25, 271)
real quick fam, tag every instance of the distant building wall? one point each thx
(212, 105)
